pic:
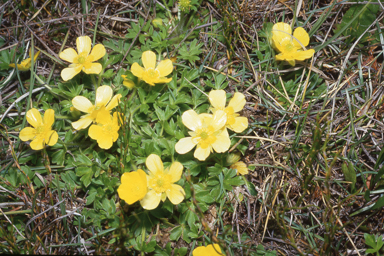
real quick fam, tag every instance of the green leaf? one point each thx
(86, 174)
(109, 73)
(175, 233)
(191, 53)
(349, 174)
(58, 157)
(362, 17)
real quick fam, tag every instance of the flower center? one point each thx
(40, 129)
(151, 73)
(82, 58)
(206, 136)
(109, 129)
(289, 47)
(161, 182)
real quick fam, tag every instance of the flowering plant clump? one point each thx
(41, 134)
(25, 65)
(103, 105)
(152, 74)
(133, 186)
(210, 250)
(235, 122)
(208, 133)
(161, 183)
(83, 59)
(290, 47)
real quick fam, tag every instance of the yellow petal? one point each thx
(97, 53)
(281, 31)
(114, 102)
(69, 55)
(214, 250)
(82, 123)
(217, 99)
(219, 119)
(206, 118)
(165, 67)
(202, 153)
(210, 250)
(28, 133)
(84, 45)
(303, 55)
(240, 167)
(69, 73)
(95, 132)
(103, 95)
(83, 104)
(103, 116)
(292, 62)
(149, 59)
(301, 35)
(151, 200)
(25, 65)
(237, 102)
(175, 194)
(241, 123)
(175, 171)
(133, 186)
(200, 251)
(129, 83)
(12, 65)
(37, 143)
(34, 118)
(222, 142)
(161, 80)
(49, 118)
(93, 68)
(191, 120)
(105, 142)
(35, 56)
(184, 145)
(154, 164)
(51, 138)
(163, 196)
(137, 70)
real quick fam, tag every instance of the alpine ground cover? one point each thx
(191, 127)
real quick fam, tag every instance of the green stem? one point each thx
(94, 82)
(62, 117)
(142, 239)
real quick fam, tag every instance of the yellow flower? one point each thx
(234, 121)
(150, 73)
(106, 132)
(42, 132)
(208, 133)
(103, 105)
(82, 59)
(25, 65)
(133, 186)
(240, 167)
(160, 183)
(210, 250)
(290, 47)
